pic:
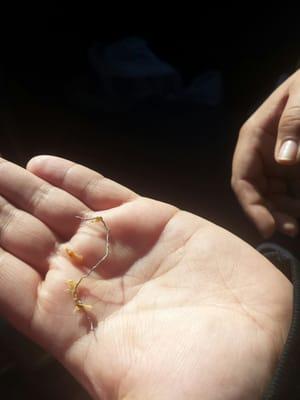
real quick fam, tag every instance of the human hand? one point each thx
(266, 172)
(182, 309)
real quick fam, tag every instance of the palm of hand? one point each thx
(178, 307)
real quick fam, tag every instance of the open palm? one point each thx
(182, 309)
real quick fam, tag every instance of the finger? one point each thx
(25, 237)
(258, 133)
(287, 144)
(267, 116)
(247, 167)
(270, 117)
(18, 289)
(255, 206)
(94, 190)
(286, 224)
(53, 206)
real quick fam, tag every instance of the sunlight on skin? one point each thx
(181, 307)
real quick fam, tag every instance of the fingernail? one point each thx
(288, 150)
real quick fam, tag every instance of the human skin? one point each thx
(182, 309)
(265, 170)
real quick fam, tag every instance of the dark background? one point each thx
(180, 156)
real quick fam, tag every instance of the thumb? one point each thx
(288, 136)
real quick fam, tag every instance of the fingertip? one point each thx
(290, 229)
(267, 231)
(286, 224)
(36, 162)
(263, 220)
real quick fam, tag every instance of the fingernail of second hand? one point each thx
(288, 150)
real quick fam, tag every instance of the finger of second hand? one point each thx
(255, 206)
(286, 224)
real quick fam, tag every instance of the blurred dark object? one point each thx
(127, 74)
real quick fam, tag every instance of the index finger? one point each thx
(54, 207)
(91, 188)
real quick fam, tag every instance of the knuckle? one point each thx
(297, 75)
(233, 183)
(290, 120)
(89, 187)
(248, 126)
(38, 196)
(236, 185)
(294, 86)
(244, 128)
